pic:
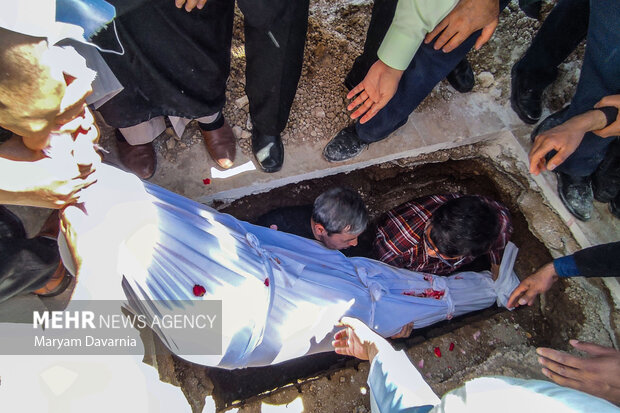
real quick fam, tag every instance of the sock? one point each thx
(216, 124)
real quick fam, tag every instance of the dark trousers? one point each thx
(563, 30)
(600, 77)
(568, 23)
(380, 20)
(175, 63)
(26, 264)
(606, 179)
(428, 67)
(273, 66)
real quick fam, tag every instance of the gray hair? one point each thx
(340, 210)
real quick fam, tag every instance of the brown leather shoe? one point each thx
(139, 159)
(221, 145)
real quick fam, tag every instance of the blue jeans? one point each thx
(600, 77)
(428, 67)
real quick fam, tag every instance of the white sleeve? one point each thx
(396, 385)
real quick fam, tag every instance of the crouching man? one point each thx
(438, 234)
(336, 219)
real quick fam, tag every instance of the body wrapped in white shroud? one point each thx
(281, 294)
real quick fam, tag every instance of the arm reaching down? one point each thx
(395, 384)
(412, 20)
(598, 374)
(566, 137)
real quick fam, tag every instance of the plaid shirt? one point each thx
(400, 238)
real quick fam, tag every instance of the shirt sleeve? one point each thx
(397, 386)
(565, 266)
(413, 19)
(597, 261)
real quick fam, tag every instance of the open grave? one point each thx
(491, 341)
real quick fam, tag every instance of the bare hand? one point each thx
(41, 87)
(374, 92)
(404, 332)
(466, 18)
(190, 4)
(614, 128)
(52, 184)
(598, 375)
(537, 283)
(42, 181)
(564, 139)
(357, 340)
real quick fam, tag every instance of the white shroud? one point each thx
(281, 294)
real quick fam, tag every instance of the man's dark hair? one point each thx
(340, 209)
(466, 226)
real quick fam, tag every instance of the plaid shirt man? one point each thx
(400, 238)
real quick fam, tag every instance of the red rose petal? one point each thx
(437, 352)
(266, 282)
(451, 347)
(206, 181)
(199, 290)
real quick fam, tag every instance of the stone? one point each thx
(242, 102)
(237, 131)
(248, 123)
(246, 134)
(318, 112)
(171, 143)
(486, 79)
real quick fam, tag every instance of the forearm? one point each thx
(412, 21)
(591, 120)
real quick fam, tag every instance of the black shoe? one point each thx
(268, 151)
(343, 146)
(462, 77)
(549, 122)
(576, 194)
(531, 8)
(527, 103)
(614, 206)
(606, 178)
